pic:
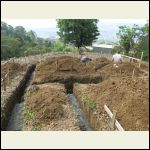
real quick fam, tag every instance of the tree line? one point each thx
(133, 41)
(74, 34)
(16, 42)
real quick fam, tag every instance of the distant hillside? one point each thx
(46, 32)
(107, 31)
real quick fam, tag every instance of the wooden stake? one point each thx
(133, 73)
(89, 115)
(112, 123)
(141, 60)
(97, 124)
(94, 121)
(111, 115)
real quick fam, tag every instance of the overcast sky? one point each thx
(51, 23)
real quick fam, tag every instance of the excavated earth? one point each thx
(123, 88)
(47, 107)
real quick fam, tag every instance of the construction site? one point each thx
(57, 92)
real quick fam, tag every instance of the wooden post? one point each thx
(82, 105)
(133, 73)
(94, 121)
(89, 115)
(120, 71)
(119, 127)
(112, 123)
(97, 124)
(132, 60)
(91, 119)
(141, 60)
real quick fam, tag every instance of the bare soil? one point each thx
(49, 108)
(123, 70)
(68, 68)
(16, 74)
(13, 68)
(127, 96)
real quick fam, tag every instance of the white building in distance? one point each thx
(102, 48)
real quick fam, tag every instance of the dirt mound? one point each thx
(55, 111)
(98, 63)
(102, 59)
(123, 69)
(63, 63)
(13, 68)
(145, 66)
(47, 104)
(127, 96)
(65, 68)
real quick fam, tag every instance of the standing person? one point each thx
(117, 58)
(83, 58)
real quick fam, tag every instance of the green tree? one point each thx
(9, 47)
(80, 32)
(128, 37)
(31, 35)
(143, 44)
(3, 28)
(20, 34)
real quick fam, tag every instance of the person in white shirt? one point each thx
(84, 58)
(117, 58)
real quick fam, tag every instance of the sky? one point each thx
(51, 23)
(46, 28)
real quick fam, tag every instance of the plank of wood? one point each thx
(133, 73)
(108, 111)
(141, 60)
(130, 57)
(120, 128)
(113, 119)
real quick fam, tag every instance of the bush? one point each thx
(59, 46)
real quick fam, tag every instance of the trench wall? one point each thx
(15, 97)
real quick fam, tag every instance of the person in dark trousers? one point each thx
(84, 58)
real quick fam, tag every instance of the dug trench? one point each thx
(14, 102)
(82, 115)
(70, 77)
(14, 121)
(85, 113)
(50, 95)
